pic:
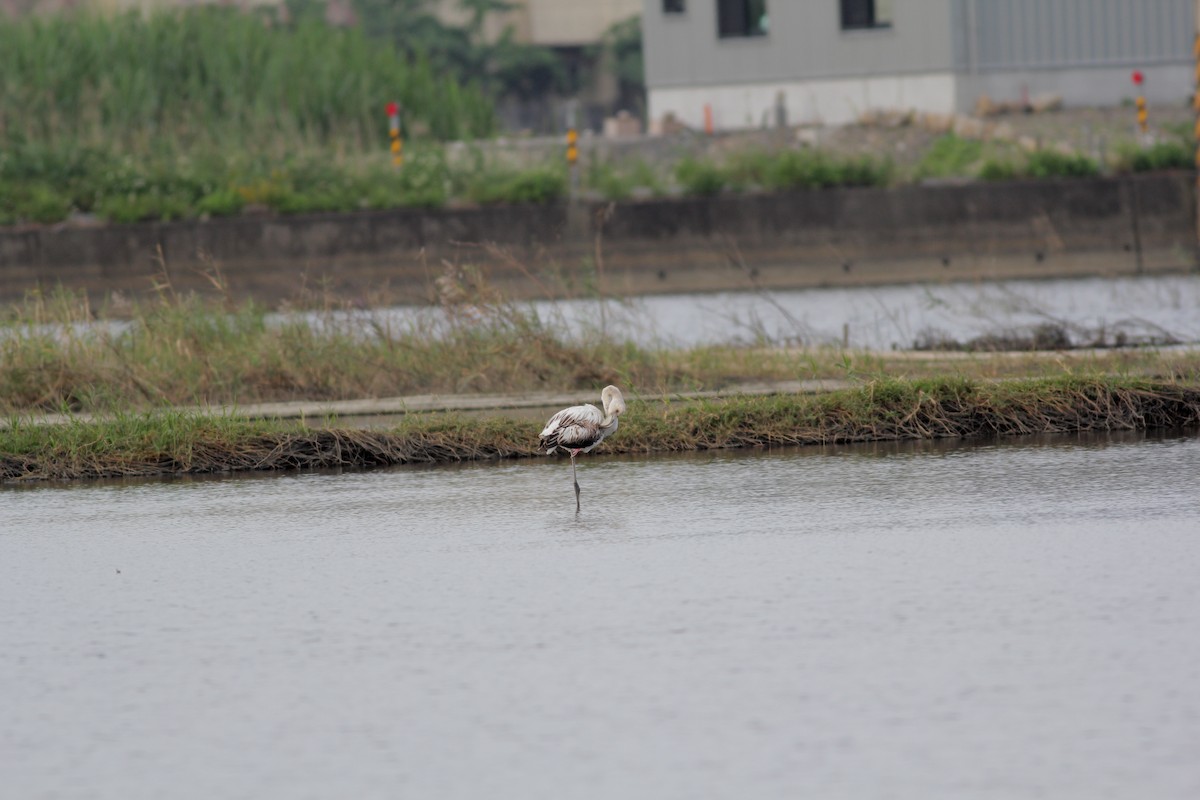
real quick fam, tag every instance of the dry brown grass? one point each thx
(58, 353)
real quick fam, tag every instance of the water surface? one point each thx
(891, 621)
(1150, 309)
(1103, 311)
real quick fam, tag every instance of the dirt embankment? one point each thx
(879, 411)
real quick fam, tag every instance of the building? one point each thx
(746, 63)
(574, 31)
(549, 23)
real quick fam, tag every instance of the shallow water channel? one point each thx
(1103, 311)
(900, 621)
(1088, 310)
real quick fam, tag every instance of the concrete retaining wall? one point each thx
(1105, 226)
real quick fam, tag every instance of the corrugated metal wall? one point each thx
(1040, 34)
(806, 42)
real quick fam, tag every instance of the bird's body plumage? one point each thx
(578, 429)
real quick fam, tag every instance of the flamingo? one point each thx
(578, 429)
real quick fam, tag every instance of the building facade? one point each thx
(745, 63)
(574, 30)
(549, 23)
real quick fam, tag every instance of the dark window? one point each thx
(741, 18)
(674, 6)
(857, 14)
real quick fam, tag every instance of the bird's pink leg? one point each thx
(576, 479)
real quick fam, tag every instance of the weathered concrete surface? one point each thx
(1050, 228)
(371, 412)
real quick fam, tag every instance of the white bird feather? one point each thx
(578, 429)
(581, 428)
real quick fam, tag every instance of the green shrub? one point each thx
(804, 169)
(801, 169)
(220, 203)
(748, 168)
(142, 207)
(45, 204)
(798, 169)
(329, 198)
(700, 177)
(537, 186)
(608, 181)
(949, 156)
(641, 174)
(998, 170)
(542, 185)
(864, 171)
(619, 182)
(1163, 155)
(1053, 164)
(424, 180)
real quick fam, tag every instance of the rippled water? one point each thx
(906, 622)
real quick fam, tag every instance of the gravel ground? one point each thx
(1096, 132)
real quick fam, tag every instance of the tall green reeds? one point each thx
(215, 76)
(206, 110)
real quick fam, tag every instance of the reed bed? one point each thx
(58, 353)
(204, 111)
(171, 351)
(216, 73)
(173, 443)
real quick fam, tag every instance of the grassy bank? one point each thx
(171, 443)
(57, 353)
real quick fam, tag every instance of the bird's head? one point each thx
(614, 402)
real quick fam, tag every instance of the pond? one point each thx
(908, 621)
